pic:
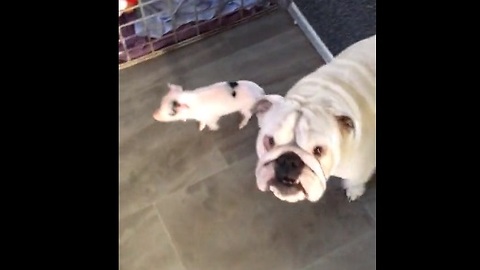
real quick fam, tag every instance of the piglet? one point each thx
(207, 104)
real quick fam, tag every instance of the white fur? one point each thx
(207, 104)
(344, 87)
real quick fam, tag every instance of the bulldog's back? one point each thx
(355, 69)
(362, 52)
(347, 83)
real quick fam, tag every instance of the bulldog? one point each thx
(324, 126)
(207, 104)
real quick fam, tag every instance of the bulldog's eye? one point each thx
(268, 142)
(271, 141)
(318, 151)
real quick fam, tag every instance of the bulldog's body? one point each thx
(207, 104)
(324, 126)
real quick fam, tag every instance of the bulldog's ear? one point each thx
(261, 106)
(174, 88)
(264, 104)
(346, 123)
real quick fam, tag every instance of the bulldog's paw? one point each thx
(355, 192)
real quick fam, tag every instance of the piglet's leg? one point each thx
(213, 123)
(201, 126)
(246, 117)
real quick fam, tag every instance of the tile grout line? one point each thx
(223, 168)
(355, 240)
(132, 213)
(169, 235)
(310, 33)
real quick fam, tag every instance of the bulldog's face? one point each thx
(297, 148)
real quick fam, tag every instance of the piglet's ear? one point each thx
(174, 87)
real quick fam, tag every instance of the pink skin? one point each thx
(208, 104)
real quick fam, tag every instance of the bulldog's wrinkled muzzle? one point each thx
(288, 168)
(283, 171)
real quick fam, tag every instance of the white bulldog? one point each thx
(207, 104)
(325, 126)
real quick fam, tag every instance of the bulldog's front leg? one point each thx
(354, 190)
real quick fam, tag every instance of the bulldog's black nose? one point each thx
(288, 168)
